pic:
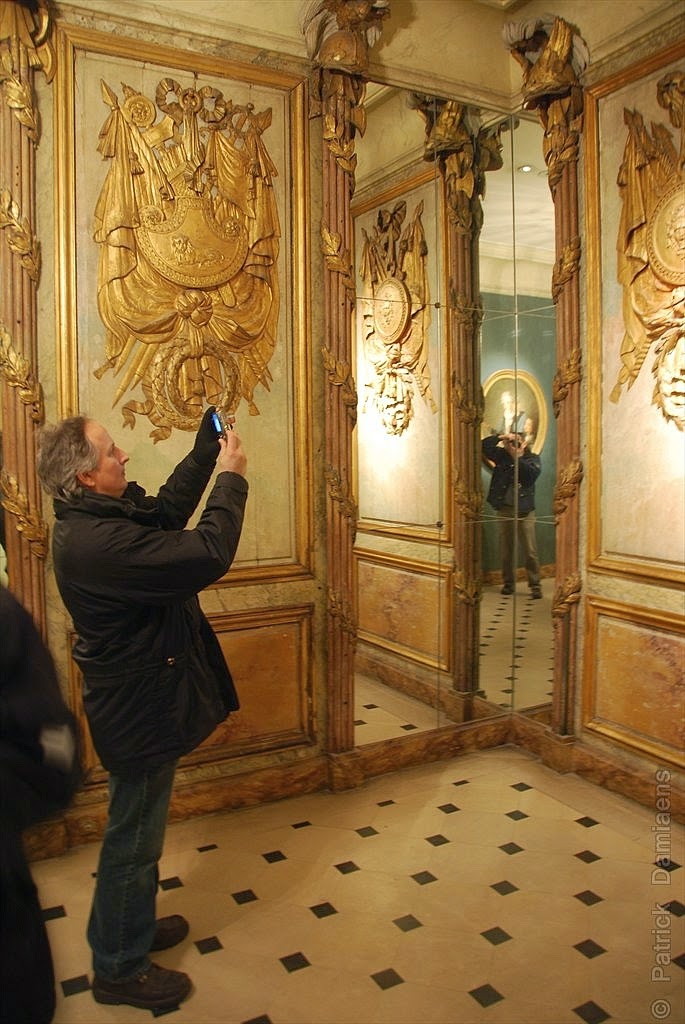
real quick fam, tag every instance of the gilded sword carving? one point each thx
(651, 252)
(188, 228)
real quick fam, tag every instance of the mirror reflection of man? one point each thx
(515, 469)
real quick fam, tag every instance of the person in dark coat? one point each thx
(515, 469)
(155, 682)
(39, 774)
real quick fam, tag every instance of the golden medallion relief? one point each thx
(396, 315)
(651, 252)
(189, 232)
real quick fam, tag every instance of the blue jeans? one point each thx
(122, 919)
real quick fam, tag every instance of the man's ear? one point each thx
(86, 479)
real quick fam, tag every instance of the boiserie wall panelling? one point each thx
(633, 678)
(404, 607)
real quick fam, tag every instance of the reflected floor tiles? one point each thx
(486, 888)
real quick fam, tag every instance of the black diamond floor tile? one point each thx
(675, 907)
(246, 896)
(586, 821)
(301, 824)
(323, 910)
(72, 986)
(591, 1013)
(486, 995)
(207, 848)
(521, 786)
(588, 856)
(437, 840)
(511, 848)
(274, 856)
(504, 888)
(424, 877)
(387, 978)
(52, 913)
(588, 897)
(407, 923)
(366, 831)
(589, 948)
(496, 935)
(385, 803)
(295, 962)
(208, 945)
(170, 883)
(517, 815)
(347, 867)
(448, 808)
(264, 1019)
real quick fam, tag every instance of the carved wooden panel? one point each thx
(269, 654)
(404, 607)
(634, 678)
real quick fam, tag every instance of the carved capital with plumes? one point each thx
(338, 33)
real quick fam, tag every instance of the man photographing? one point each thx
(155, 682)
(515, 468)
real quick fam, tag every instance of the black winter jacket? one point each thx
(155, 680)
(503, 476)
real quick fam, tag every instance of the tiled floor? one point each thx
(516, 668)
(487, 888)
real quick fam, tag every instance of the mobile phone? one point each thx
(220, 424)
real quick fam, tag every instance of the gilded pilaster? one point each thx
(463, 152)
(24, 47)
(552, 56)
(338, 36)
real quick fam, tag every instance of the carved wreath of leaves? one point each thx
(17, 373)
(18, 96)
(21, 241)
(341, 495)
(340, 375)
(28, 523)
(337, 259)
(568, 373)
(567, 486)
(566, 595)
(566, 266)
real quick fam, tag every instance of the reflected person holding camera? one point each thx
(515, 469)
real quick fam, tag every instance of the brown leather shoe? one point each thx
(155, 989)
(169, 932)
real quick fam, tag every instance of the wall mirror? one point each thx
(405, 471)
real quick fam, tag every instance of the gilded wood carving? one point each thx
(395, 310)
(651, 252)
(189, 233)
